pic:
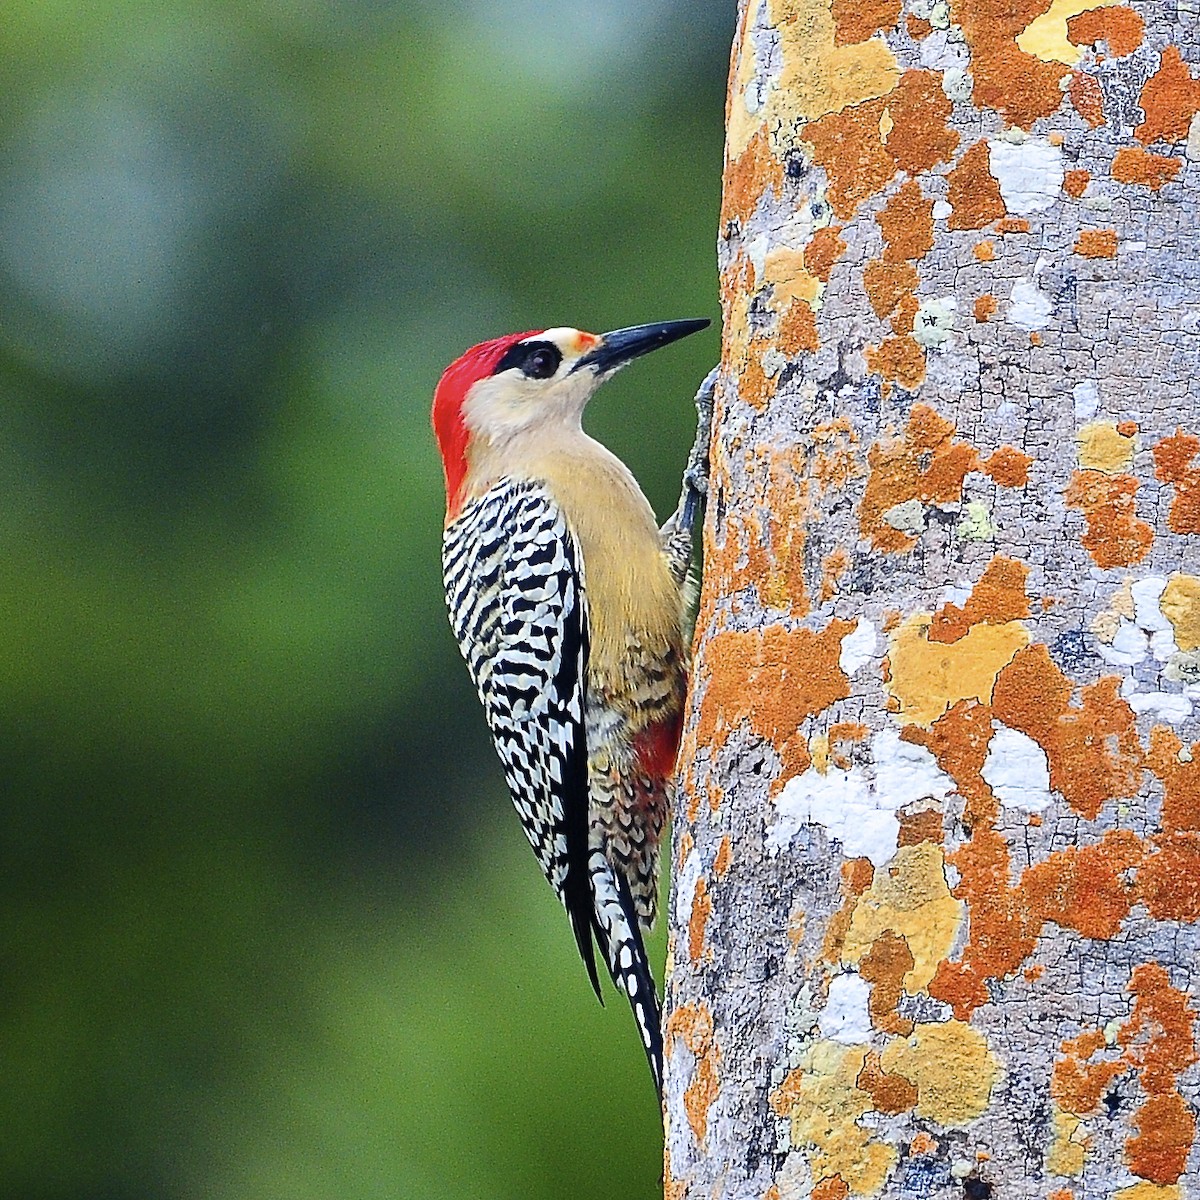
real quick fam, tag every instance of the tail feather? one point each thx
(619, 937)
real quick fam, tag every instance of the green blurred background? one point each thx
(269, 927)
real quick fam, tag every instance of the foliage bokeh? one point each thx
(270, 927)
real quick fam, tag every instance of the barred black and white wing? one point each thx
(514, 589)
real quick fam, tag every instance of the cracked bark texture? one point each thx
(934, 930)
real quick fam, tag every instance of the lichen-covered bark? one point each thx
(935, 929)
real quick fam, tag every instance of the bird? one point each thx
(568, 602)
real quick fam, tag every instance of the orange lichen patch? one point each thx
(927, 464)
(952, 1067)
(1170, 99)
(899, 359)
(919, 138)
(698, 921)
(822, 250)
(885, 965)
(1018, 85)
(1012, 225)
(775, 530)
(974, 193)
(1093, 749)
(1116, 24)
(1061, 1194)
(832, 1187)
(857, 874)
(1162, 1022)
(1077, 1083)
(922, 1143)
(676, 1189)
(1034, 973)
(694, 1024)
(1166, 1130)
(1082, 888)
(905, 316)
(772, 678)
(844, 731)
(723, 859)
(1087, 98)
(887, 284)
(834, 459)
(1132, 164)
(755, 386)
(747, 177)
(847, 144)
(1008, 466)
(998, 597)
(985, 251)
(1075, 182)
(918, 27)
(891, 1094)
(907, 224)
(1115, 536)
(1173, 464)
(1097, 243)
(833, 566)
(918, 827)
(1169, 879)
(1035, 338)
(797, 330)
(985, 307)
(857, 20)
(1180, 780)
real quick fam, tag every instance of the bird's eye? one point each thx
(542, 363)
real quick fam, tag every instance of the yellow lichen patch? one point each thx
(1180, 604)
(929, 678)
(911, 899)
(1102, 447)
(1149, 1191)
(1045, 37)
(824, 1102)
(741, 124)
(784, 272)
(952, 1067)
(693, 1023)
(818, 75)
(1068, 1149)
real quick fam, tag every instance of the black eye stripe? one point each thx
(538, 360)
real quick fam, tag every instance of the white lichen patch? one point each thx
(1029, 307)
(857, 806)
(845, 1017)
(1030, 173)
(1128, 647)
(858, 647)
(1172, 707)
(1087, 399)
(1017, 770)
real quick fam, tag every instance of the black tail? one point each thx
(620, 939)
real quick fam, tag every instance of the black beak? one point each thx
(624, 345)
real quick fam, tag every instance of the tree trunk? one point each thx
(934, 930)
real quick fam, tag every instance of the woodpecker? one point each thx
(568, 603)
